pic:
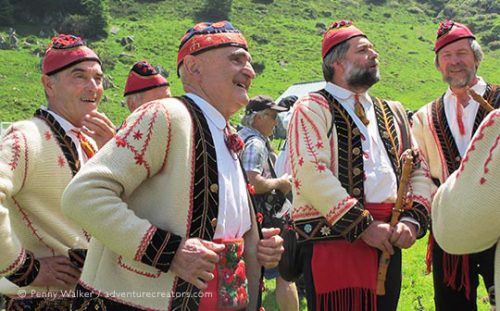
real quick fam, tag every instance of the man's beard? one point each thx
(459, 82)
(358, 76)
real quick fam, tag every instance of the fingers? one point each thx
(388, 247)
(269, 232)
(212, 250)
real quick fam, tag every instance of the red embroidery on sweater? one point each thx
(169, 140)
(137, 135)
(140, 272)
(146, 239)
(489, 159)
(61, 161)
(47, 135)
(31, 227)
(335, 212)
(477, 137)
(310, 147)
(16, 151)
(305, 211)
(20, 258)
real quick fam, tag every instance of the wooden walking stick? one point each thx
(482, 102)
(385, 258)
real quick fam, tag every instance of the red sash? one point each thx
(229, 288)
(344, 273)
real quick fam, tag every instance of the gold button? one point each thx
(356, 171)
(356, 191)
(214, 188)
(355, 131)
(356, 151)
(458, 159)
(214, 223)
(385, 135)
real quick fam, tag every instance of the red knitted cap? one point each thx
(64, 52)
(337, 33)
(449, 32)
(143, 77)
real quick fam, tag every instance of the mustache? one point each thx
(456, 67)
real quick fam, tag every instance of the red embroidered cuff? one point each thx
(354, 222)
(160, 249)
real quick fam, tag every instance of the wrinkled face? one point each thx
(457, 63)
(226, 76)
(266, 121)
(75, 91)
(361, 64)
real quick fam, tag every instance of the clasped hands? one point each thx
(384, 237)
(195, 258)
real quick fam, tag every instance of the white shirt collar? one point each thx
(65, 124)
(344, 95)
(210, 112)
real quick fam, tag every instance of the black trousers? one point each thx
(388, 302)
(448, 299)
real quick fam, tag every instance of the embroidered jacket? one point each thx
(435, 140)
(457, 227)
(326, 157)
(37, 161)
(155, 183)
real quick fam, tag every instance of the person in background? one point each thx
(458, 228)
(345, 149)
(144, 84)
(38, 158)
(282, 161)
(258, 125)
(166, 200)
(443, 130)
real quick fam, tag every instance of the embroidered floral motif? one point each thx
(260, 218)
(251, 189)
(325, 231)
(47, 135)
(60, 161)
(232, 277)
(137, 135)
(233, 141)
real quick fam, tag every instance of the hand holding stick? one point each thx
(385, 258)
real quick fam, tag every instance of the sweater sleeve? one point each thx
(314, 181)
(15, 262)
(94, 198)
(466, 213)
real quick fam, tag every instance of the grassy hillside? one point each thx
(284, 37)
(285, 42)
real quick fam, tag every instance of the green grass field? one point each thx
(416, 290)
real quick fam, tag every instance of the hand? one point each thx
(195, 261)
(270, 248)
(377, 235)
(97, 126)
(56, 271)
(284, 184)
(404, 234)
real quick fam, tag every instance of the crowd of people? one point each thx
(177, 210)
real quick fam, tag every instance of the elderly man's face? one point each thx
(457, 63)
(265, 122)
(361, 64)
(76, 91)
(226, 76)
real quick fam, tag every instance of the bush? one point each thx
(6, 13)
(214, 10)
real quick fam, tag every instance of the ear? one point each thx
(192, 65)
(338, 65)
(131, 104)
(48, 85)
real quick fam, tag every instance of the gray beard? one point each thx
(359, 77)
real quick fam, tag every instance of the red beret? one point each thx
(143, 77)
(64, 52)
(204, 36)
(449, 32)
(337, 33)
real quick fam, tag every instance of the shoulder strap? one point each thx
(269, 162)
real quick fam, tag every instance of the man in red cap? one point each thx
(144, 84)
(171, 220)
(443, 130)
(38, 158)
(345, 149)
